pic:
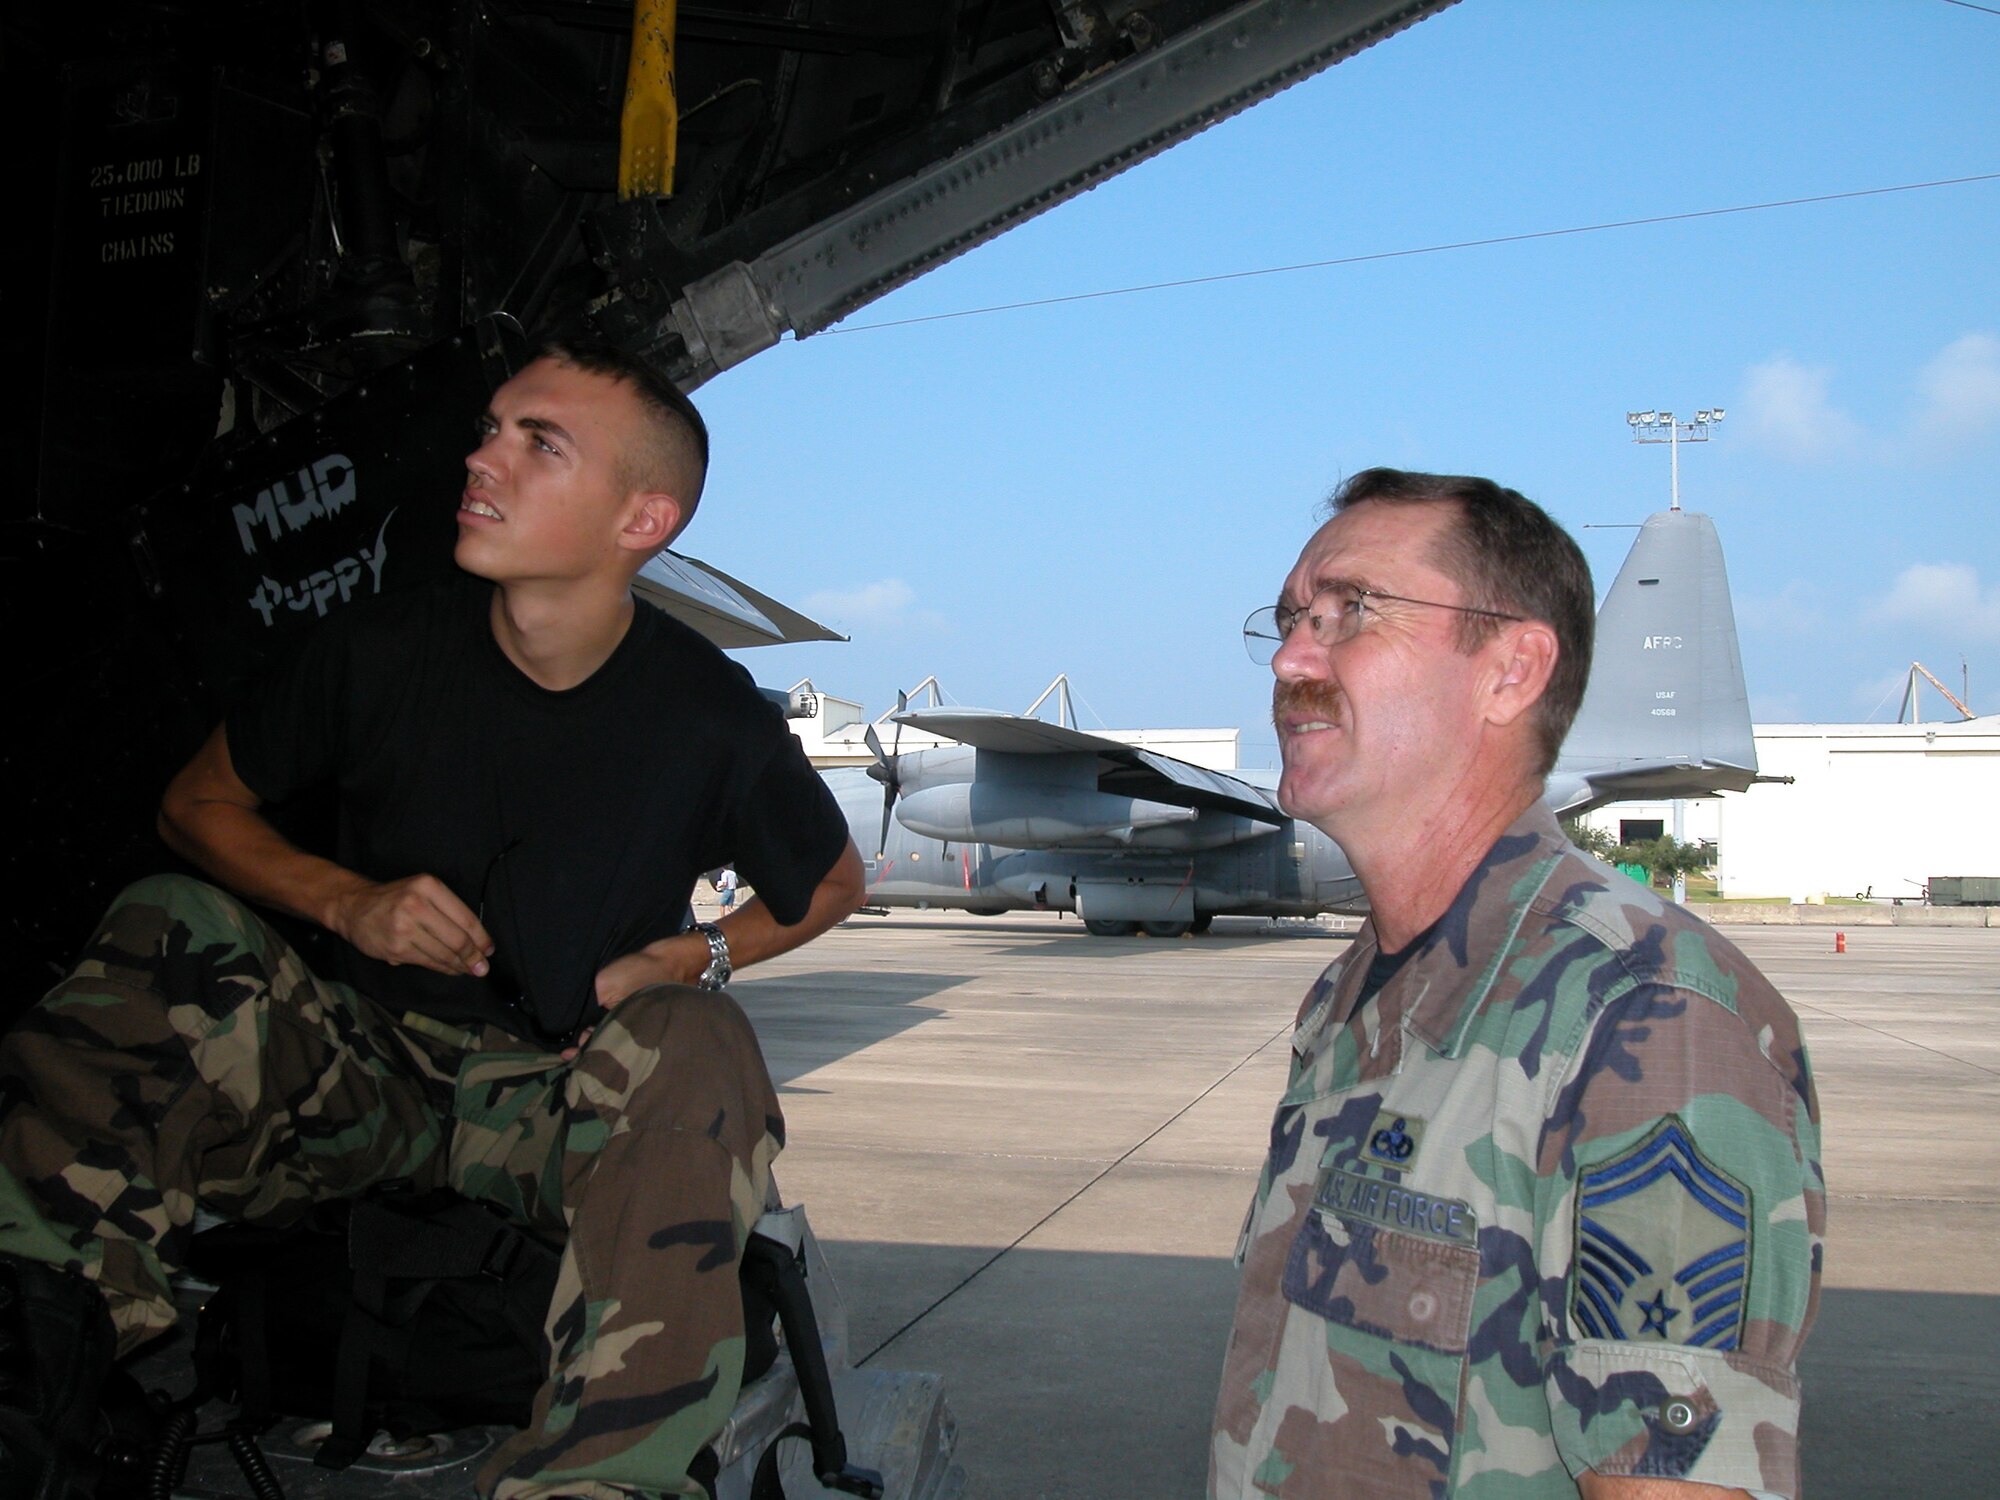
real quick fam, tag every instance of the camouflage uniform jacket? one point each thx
(1549, 1201)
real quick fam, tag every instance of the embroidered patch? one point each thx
(1370, 1199)
(1662, 1246)
(1393, 1140)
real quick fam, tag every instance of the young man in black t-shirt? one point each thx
(531, 772)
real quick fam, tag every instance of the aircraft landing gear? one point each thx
(1167, 929)
(1203, 920)
(1101, 927)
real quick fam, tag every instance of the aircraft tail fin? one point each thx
(1666, 713)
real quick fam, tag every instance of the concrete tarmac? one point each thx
(1028, 1153)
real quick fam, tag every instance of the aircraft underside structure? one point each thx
(288, 250)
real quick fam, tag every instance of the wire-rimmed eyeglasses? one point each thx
(1337, 613)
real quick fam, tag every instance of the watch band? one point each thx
(716, 975)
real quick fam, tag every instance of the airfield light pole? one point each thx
(1660, 427)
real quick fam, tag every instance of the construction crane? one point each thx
(1908, 712)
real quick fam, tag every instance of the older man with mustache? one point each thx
(1542, 1209)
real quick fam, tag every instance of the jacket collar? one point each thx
(1430, 994)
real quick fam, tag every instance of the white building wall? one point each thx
(1871, 809)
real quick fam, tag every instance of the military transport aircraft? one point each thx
(1025, 814)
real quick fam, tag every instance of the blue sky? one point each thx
(1107, 487)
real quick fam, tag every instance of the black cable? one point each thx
(1355, 260)
(256, 1468)
(170, 1458)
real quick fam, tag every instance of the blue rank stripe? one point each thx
(1695, 1268)
(1670, 1152)
(1708, 1284)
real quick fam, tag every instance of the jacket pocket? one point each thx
(1397, 1309)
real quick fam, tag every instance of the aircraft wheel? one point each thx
(1101, 927)
(1167, 929)
(984, 911)
(1201, 923)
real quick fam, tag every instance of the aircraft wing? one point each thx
(726, 610)
(1123, 769)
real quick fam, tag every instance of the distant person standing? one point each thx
(725, 886)
(1542, 1210)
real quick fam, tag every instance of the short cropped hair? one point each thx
(677, 459)
(1508, 556)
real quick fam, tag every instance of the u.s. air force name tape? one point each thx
(1447, 1220)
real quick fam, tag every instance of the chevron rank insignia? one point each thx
(1662, 1246)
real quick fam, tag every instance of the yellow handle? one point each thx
(649, 129)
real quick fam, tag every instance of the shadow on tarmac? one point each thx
(1902, 1395)
(1084, 1374)
(806, 1021)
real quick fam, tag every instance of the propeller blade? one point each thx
(884, 771)
(902, 707)
(888, 806)
(881, 770)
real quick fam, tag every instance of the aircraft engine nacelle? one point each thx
(1031, 817)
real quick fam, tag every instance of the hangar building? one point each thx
(1872, 810)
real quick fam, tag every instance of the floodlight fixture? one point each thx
(1661, 427)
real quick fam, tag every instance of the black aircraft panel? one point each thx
(245, 227)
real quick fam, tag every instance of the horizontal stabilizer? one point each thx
(1123, 769)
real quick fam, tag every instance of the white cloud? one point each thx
(1785, 407)
(886, 603)
(1942, 596)
(1959, 391)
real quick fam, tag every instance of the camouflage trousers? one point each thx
(193, 1060)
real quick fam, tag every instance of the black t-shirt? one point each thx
(573, 823)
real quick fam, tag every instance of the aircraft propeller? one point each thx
(887, 769)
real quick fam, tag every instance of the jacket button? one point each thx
(1678, 1416)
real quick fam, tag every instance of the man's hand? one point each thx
(753, 934)
(674, 960)
(417, 920)
(210, 816)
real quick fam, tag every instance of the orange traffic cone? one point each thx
(1840, 942)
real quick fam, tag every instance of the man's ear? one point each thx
(1525, 659)
(651, 521)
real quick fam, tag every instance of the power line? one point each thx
(1355, 260)
(1968, 5)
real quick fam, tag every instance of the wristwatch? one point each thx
(716, 975)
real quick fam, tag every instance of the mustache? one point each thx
(1317, 700)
